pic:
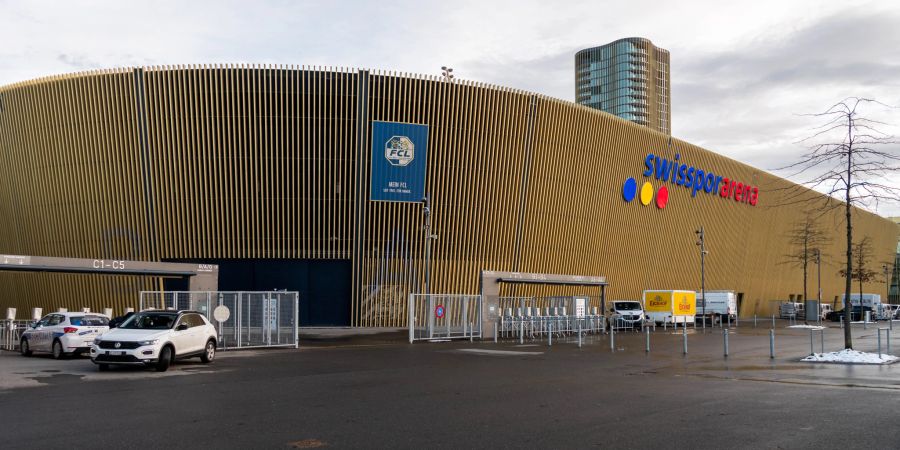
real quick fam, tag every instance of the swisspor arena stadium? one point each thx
(313, 179)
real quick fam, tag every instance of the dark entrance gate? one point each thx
(324, 285)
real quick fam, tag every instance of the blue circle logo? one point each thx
(629, 189)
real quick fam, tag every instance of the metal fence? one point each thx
(444, 316)
(11, 332)
(255, 319)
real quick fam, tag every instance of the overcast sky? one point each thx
(741, 73)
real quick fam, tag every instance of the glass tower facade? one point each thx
(628, 78)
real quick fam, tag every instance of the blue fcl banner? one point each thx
(399, 157)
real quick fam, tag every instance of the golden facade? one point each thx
(272, 163)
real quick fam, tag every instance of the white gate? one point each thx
(255, 319)
(444, 316)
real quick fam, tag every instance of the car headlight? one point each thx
(152, 342)
(97, 341)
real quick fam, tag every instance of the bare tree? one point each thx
(846, 158)
(807, 239)
(862, 253)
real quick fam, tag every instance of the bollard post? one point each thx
(725, 334)
(889, 341)
(471, 332)
(648, 339)
(612, 338)
(579, 334)
(550, 336)
(811, 350)
(879, 343)
(737, 321)
(822, 337)
(754, 321)
(771, 344)
(521, 332)
(684, 340)
(495, 333)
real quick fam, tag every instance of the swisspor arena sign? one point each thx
(698, 180)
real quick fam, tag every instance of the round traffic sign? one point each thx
(221, 313)
(439, 311)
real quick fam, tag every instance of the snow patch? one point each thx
(848, 356)
(810, 327)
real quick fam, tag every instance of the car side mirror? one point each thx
(182, 327)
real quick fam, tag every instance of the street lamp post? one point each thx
(702, 243)
(819, 282)
(447, 72)
(426, 209)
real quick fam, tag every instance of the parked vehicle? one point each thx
(718, 303)
(63, 334)
(670, 306)
(156, 338)
(115, 322)
(824, 310)
(791, 310)
(626, 314)
(870, 302)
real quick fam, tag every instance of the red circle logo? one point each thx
(439, 311)
(662, 197)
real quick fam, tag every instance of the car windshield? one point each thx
(628, 306)
(89, 321)
(150, 321)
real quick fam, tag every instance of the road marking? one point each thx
(498, 352)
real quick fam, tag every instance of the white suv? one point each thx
(156, 338)
(63, 334)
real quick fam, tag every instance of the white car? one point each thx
(156, 338)
(626, 314)
(63, 334)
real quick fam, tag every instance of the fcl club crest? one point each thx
(399, 151)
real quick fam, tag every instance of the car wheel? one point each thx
(103, 367)
(24, 348)
(165, 359)
(58, 350)
(209, 353)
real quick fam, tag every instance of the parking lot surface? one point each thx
(356, 393)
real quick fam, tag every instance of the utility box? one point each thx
(812, 310)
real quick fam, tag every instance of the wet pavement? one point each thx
(353, 391)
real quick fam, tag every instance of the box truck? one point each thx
(670, 306)
(718, 303)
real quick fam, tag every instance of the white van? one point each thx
(718, 303)
(626, 314)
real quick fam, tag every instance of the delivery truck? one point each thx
(722, 304)
(670, 306)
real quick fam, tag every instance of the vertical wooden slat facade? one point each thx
(272, 162)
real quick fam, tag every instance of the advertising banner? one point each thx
(399, 157)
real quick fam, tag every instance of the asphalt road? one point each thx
(372, 393)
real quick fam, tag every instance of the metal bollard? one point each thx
(811, 350)
(612, 338)
(579, 334)
(725, 334)
(495, 333)
(822, 337)
(879, 343)
(737, 321)
(471, 332)
(648, 339)
(754, 321)
(684, 340)
(866, 322)
(772, 344)
(521, 332)
(550, 336)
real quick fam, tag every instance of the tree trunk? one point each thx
(848, 336)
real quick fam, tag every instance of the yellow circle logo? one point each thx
(646, 193)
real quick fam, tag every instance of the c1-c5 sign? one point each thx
(399, 161)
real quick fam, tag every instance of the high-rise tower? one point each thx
(629, 78)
